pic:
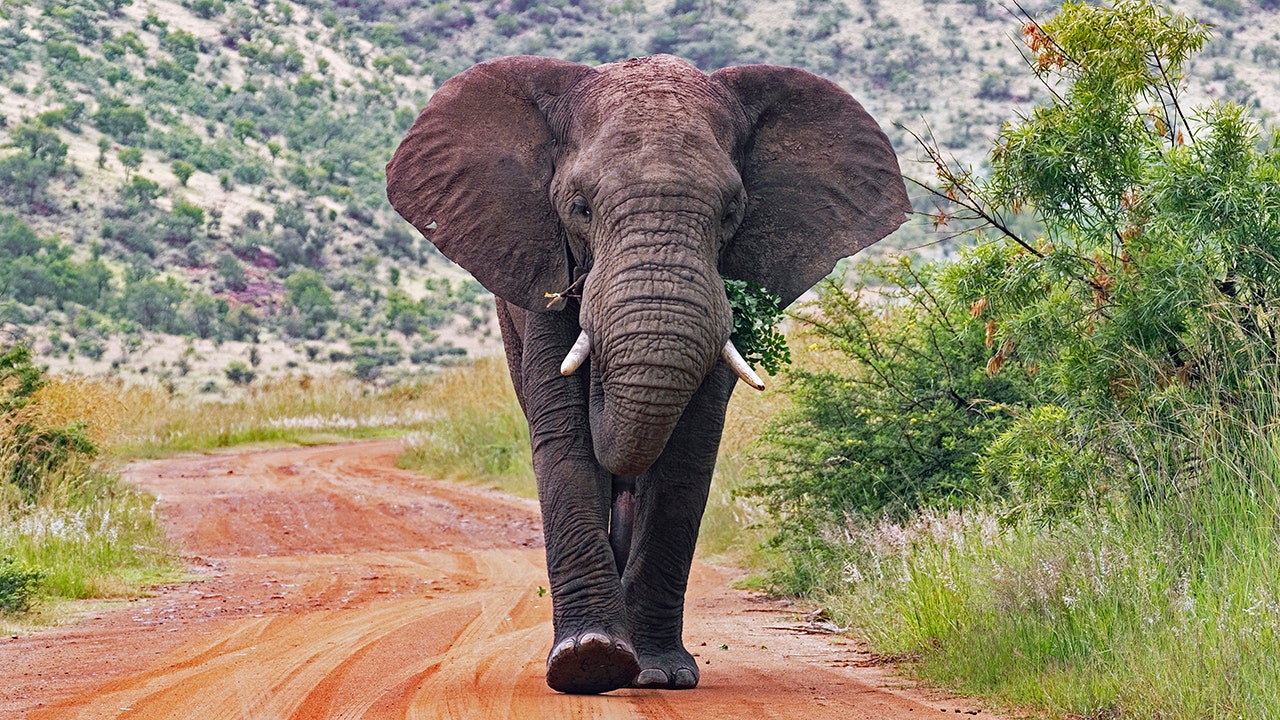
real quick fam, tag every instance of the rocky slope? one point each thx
(214, 167)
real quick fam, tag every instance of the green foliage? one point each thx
(32, 269)
(239, 373)
(130, 158)
(32, 453)
(154, 304)
(19, 586)
(184, 47)
(231, 271)
(1158, 261)
(755, 318)
(62, 54)
(242, 323)
(369, 358)
(208, 8)
(67, 116)
(140, 190)
(309, 294)
(20, 378)
(183, 225)
(898, 413)
(41, 154)
(67, 530)
(182, 170)
(120, 121)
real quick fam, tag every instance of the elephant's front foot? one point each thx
(673, 670)
(591, 663)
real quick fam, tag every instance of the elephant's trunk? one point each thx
(658, 320)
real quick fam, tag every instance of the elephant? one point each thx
(603, 207)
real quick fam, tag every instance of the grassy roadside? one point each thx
(282, 410)
(70, 527)
(1167, 609)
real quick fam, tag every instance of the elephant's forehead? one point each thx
(649, 100)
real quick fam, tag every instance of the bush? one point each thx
(239, 373)
(208, 8)
(154, 304)
(898, 412)
(250, 173)
(42, 154)
(426, 356)
(369, 358)
(19, 586)
(308, 293)
(120, 121)
(182, 170)
(32, 269)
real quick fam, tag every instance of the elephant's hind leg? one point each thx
(591, 663)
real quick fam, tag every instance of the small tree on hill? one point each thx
(182, 170)
(131, 159)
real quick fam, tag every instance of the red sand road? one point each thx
(333, 585)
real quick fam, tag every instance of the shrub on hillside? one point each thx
(239, 373)
(32, 269)
(120, 121)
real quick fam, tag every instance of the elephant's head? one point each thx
(646, 180)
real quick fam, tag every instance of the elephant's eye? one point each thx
(581, 209)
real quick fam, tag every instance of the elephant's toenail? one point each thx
(594, 638)
(653, 677)
(565, 646)
(625, 647)
(685, 678)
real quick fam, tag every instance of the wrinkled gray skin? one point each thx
(646, 180)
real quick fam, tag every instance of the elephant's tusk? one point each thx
(577, 354)
(740, 366)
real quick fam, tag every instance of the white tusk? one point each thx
(577, 354)
(740, 366)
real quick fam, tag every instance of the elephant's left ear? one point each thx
(822, 180)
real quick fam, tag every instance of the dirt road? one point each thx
(333, 585)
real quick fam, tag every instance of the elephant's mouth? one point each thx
(581, 350)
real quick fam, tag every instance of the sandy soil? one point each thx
(333, 585)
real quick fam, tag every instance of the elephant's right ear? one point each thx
(472, 176)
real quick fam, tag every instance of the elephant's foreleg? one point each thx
(592, 651)
(670, 499)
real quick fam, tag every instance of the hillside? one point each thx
(194, 191)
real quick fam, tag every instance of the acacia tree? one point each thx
(1151, 282)
(41, 154)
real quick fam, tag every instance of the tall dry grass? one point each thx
(479, 433)
(282, 410)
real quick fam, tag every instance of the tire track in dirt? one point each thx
(333, 585)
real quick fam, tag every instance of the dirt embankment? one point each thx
(333, 585)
